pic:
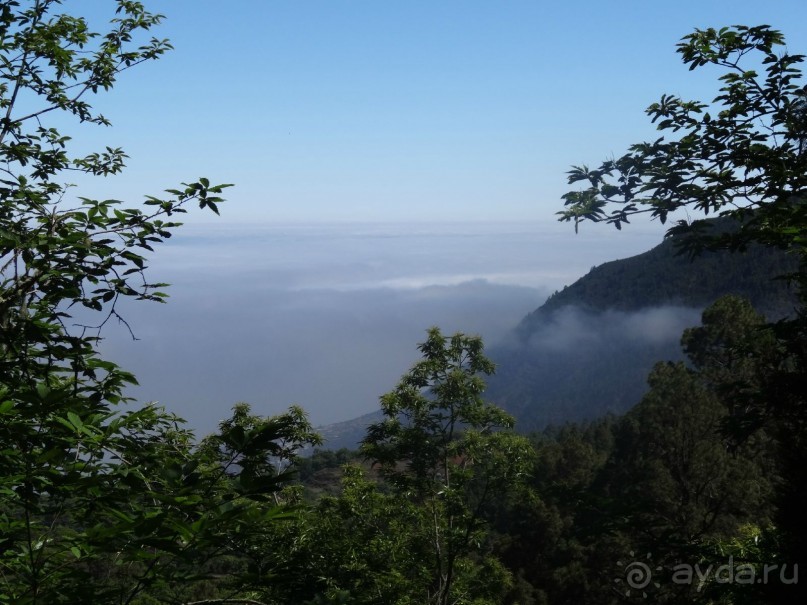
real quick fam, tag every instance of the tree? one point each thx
(555, 538)
(661, 480)
(734, 350)
(442, 446)
(364, 543)
(97, 504)
(264, 448)
(744, 156)
(676, 473)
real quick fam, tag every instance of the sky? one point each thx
(392, 110)
(396, 165)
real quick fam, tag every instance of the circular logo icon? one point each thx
(637, 575)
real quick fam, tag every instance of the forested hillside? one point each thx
(587, 351)
(649, 504)
(667, 276)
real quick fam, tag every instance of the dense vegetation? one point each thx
(663, 276)
(444, 503)
(612, 321)
(744, 158)
(655, 501)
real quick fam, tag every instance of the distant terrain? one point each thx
(588, 349)
(663, 277)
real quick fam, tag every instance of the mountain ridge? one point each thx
(587, 350)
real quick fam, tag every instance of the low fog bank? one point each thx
(329, 316)
(332, 352)
(570, 330)
(579, 365)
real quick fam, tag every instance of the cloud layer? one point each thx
(328, 316)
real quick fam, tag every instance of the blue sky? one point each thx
(388, 111)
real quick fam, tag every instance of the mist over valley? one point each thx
(328, 316)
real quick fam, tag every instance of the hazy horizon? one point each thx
(328, 315)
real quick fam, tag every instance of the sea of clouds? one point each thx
(328, 316)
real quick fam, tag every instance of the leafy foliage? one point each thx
(743, 156)
(663, 479)
(106, 505)
(56, 258)
(98, 504)
(440, 446)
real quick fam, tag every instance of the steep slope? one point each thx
(662, 277)
(349, 433)
(587, 351)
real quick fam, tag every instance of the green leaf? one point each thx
(74, 419)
